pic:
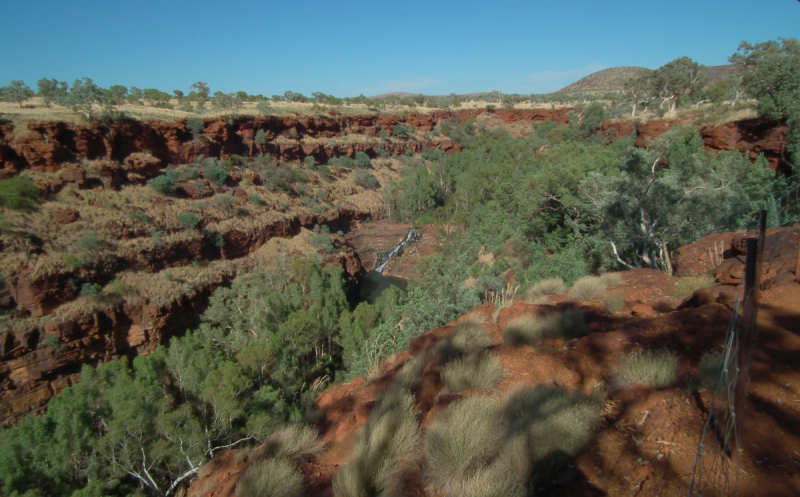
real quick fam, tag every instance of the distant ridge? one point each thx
(612, 79)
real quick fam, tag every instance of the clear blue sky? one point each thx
(350, 47)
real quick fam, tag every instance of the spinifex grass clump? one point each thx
(292, 442)
(614, 303)
(551, 286)
(588, 288)
(384, 451)
(479, 448)
(548, 427)
(687, 285)
(531, 329)
(271, 478)
(465, 338)
(712, 369)
(657, 368)
(460, 440)
(481, 371)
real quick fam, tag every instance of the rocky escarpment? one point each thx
(749, 136)
(40, 359)
(47, 146)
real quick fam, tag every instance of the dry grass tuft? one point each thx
(548, 427)
(612, 279)
(461, 440)
(480, 371)
(385, 449)
(531, 329)
(552, 286)
(465, 338)
(587, 288)
(687, 285)
(271, 478)
(712, 368)
(292, 442)
(614, 303)
(657, 368)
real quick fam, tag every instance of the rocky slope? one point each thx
(648, 439)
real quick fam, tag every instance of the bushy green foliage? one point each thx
(403, 131)
(16, 92)
(614, 303)
(365, 180)
(162, 184)
(215, 174)
(256, 199)
(87, 243)
(18, 193)
(188, 220)
(195, 126)
(225, 201)
(90, 289)
(362, 160)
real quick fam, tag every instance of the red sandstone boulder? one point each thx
(65, 216)
(74, 175)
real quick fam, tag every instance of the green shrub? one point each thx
(343, 161)
(387, 444)
(383, 153)
(292, 442)
(409, 152)
(293, 134)
(687, 285)
(162, 184)
(139, 216)
(322, 243)
(225, 201)
(255, 199)
(271, 478)
(18, 193)
(90, 289)
(216, 239)
(614, 303)
(383, 134)
(365, 180)
(481, 371)
(587, 288)
(465, 338)
(362, 160)
(461, 440)
(402, 131)
(657, 368)
(188, 220)
(550, 286)
(88, 242)
(188, 172)
(309, 162)
(532, 329)
(324, 173)
(215, 174)
(54, 343)
(195, 126)
(173, 174)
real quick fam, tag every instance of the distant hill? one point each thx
(612, 79)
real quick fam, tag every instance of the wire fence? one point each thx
(716, 467)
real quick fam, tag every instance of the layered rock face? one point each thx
(46, 146)
(749, 136)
